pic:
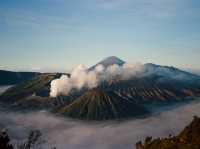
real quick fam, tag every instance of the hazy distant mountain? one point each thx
(10, 77)
(169, 72)
(112, 99)
(189, 138)
(100, 105)
(109, 61)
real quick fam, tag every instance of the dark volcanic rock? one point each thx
(150, 89)
(99, 105)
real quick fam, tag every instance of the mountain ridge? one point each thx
(159, 84)
(12, 77)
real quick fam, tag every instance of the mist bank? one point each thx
(67, 133)
(4, 88)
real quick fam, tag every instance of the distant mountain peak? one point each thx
(112, 57)
(111, 60)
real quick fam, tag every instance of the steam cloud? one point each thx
(72, 134)
(83, 77)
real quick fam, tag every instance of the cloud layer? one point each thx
(71, 134)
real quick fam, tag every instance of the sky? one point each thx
(52, 35)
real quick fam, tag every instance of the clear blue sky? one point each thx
(59, 34)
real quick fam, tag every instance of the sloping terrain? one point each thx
(109, 61)
(39, 85)
(189, 138)
(151, 89)
(99, 105)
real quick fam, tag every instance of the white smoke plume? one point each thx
(81, 77)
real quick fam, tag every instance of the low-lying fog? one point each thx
(4, 88)
(71, 134)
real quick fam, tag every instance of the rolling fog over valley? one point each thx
(4, 88)
(113, 104)
(73, 134)
(99, 74)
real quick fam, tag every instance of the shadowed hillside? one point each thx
(99, 105)
(38, 86)
(152, 89)
(189, 138)
(10, 78)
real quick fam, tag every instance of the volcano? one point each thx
(112, 99)
(112, 60)
(100, 105)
